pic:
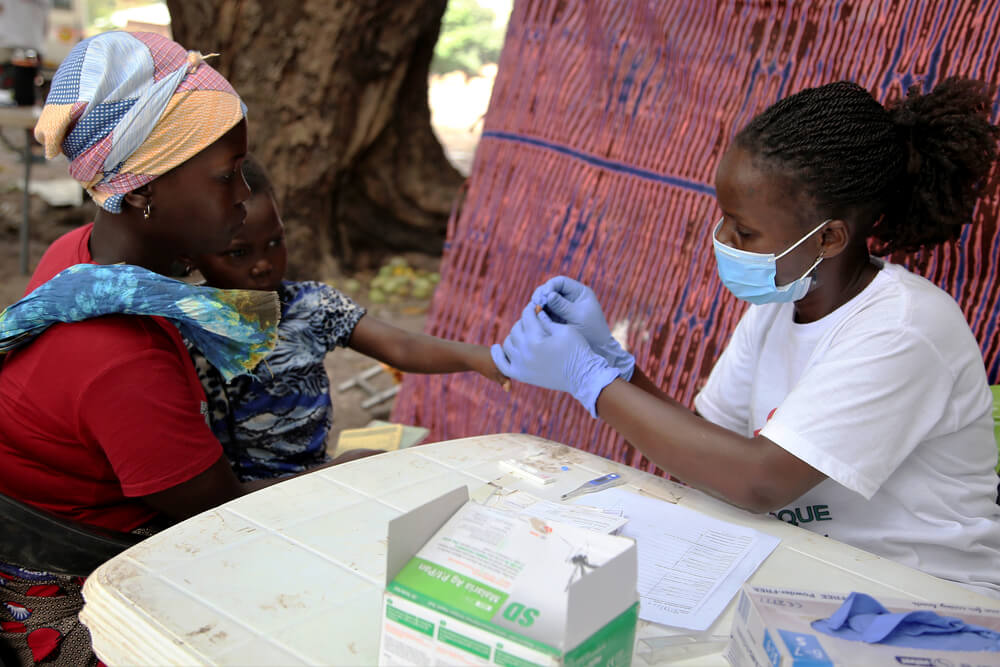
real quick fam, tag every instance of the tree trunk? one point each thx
(337, 103)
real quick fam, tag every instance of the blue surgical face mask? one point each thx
(750, 275)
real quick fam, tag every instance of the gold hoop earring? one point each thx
(146, 212)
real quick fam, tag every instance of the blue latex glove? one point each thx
(541, 352)
(863, 618)
(576, 304)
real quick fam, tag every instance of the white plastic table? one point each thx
(294, 574)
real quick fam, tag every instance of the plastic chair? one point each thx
(35, 539)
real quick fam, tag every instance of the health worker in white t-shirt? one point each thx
(852, 398)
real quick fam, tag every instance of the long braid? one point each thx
(909, 175)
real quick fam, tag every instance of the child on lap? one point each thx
(276, 422)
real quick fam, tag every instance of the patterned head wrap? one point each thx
(128, 107)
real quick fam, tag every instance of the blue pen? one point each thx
(596, 484)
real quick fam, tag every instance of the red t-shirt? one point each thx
(96, 414)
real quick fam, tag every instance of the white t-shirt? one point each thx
(887, 396)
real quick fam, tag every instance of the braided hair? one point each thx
(909, 174)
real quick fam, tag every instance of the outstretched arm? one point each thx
(419, 353)
(642, 381)
(753, 473)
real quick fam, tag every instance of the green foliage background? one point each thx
(469, 39)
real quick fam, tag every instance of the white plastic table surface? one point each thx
(294, 574)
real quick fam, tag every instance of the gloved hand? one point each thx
(575, 304)
(554, 356)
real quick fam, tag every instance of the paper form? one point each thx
(690, 565)
(602, 520)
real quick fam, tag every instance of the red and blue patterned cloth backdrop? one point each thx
(597, 159)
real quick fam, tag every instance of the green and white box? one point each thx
(474, 585)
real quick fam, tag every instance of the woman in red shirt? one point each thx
(103, 420)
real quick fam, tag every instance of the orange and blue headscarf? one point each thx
(128, 107)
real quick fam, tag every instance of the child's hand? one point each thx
(482, 363)
(556, 356)
(568, 302)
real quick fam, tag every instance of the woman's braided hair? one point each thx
(909, 174)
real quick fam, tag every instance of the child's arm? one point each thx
(419, 353)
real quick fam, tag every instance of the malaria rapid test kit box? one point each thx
(773, 628)
(468, 584)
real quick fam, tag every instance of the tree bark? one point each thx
(337, 103)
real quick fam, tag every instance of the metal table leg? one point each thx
(25, 223)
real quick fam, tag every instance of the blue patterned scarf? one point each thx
(234, 329)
